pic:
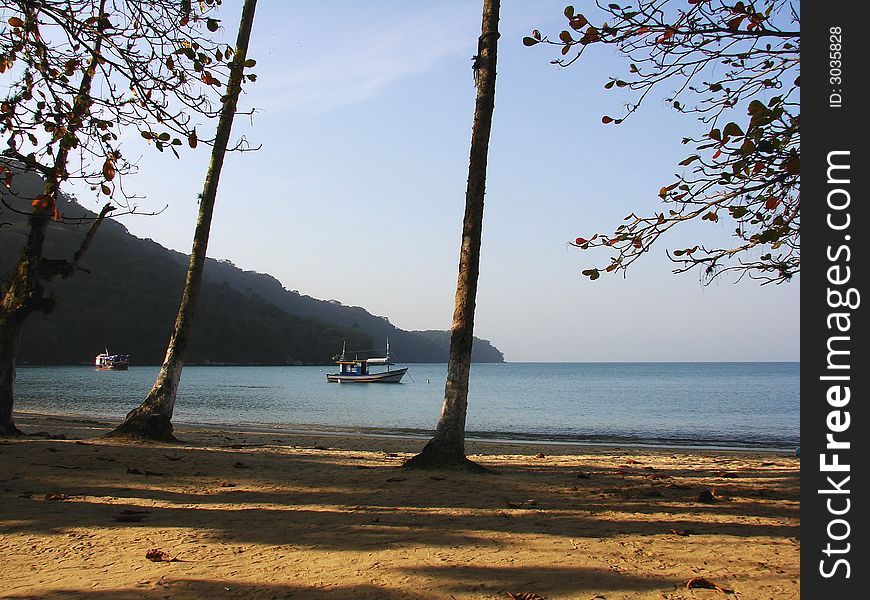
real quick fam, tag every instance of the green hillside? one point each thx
(128, 300)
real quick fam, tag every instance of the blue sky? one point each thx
(364, 114)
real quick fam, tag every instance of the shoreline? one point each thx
(421, 436)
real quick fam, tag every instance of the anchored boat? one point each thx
(356, 370)
(112, 362)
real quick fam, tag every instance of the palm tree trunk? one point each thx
(446, 449)
(152, 420)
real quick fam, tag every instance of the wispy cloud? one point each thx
(354, 66)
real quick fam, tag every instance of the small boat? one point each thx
(356, 370)
(112, 362)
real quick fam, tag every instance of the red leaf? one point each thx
(157, 555)
(108, 170)
(700, 582)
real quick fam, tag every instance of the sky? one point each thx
(363, 114)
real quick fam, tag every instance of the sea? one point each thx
(684, 405)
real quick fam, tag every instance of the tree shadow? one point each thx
(217, 589)
(324, 498)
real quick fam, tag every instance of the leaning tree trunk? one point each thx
(152, 420)
(446, 449)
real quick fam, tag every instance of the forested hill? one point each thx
(128, 300)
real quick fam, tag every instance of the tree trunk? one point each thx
(25, 293)
(446, 449)
(10, 331)
(152, 420)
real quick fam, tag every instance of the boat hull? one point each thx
(385, 377)
(122, 367)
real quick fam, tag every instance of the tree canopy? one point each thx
(735, 66)
(76, 73)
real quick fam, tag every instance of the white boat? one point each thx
(356, 370)
(112, 362)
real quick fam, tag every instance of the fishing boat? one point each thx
(356, 370)
(112, 362)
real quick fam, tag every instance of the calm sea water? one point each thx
(746, 405)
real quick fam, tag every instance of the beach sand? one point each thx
(245, 514)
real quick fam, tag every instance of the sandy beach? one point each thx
(246, 514)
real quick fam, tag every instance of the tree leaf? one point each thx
(578, 22)
(732, 129)
(108, 170)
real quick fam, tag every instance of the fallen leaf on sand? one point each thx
(525, 596)
(540, 455)
(156, 555)
(55, 496)
(710, 496)
(701, 582)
